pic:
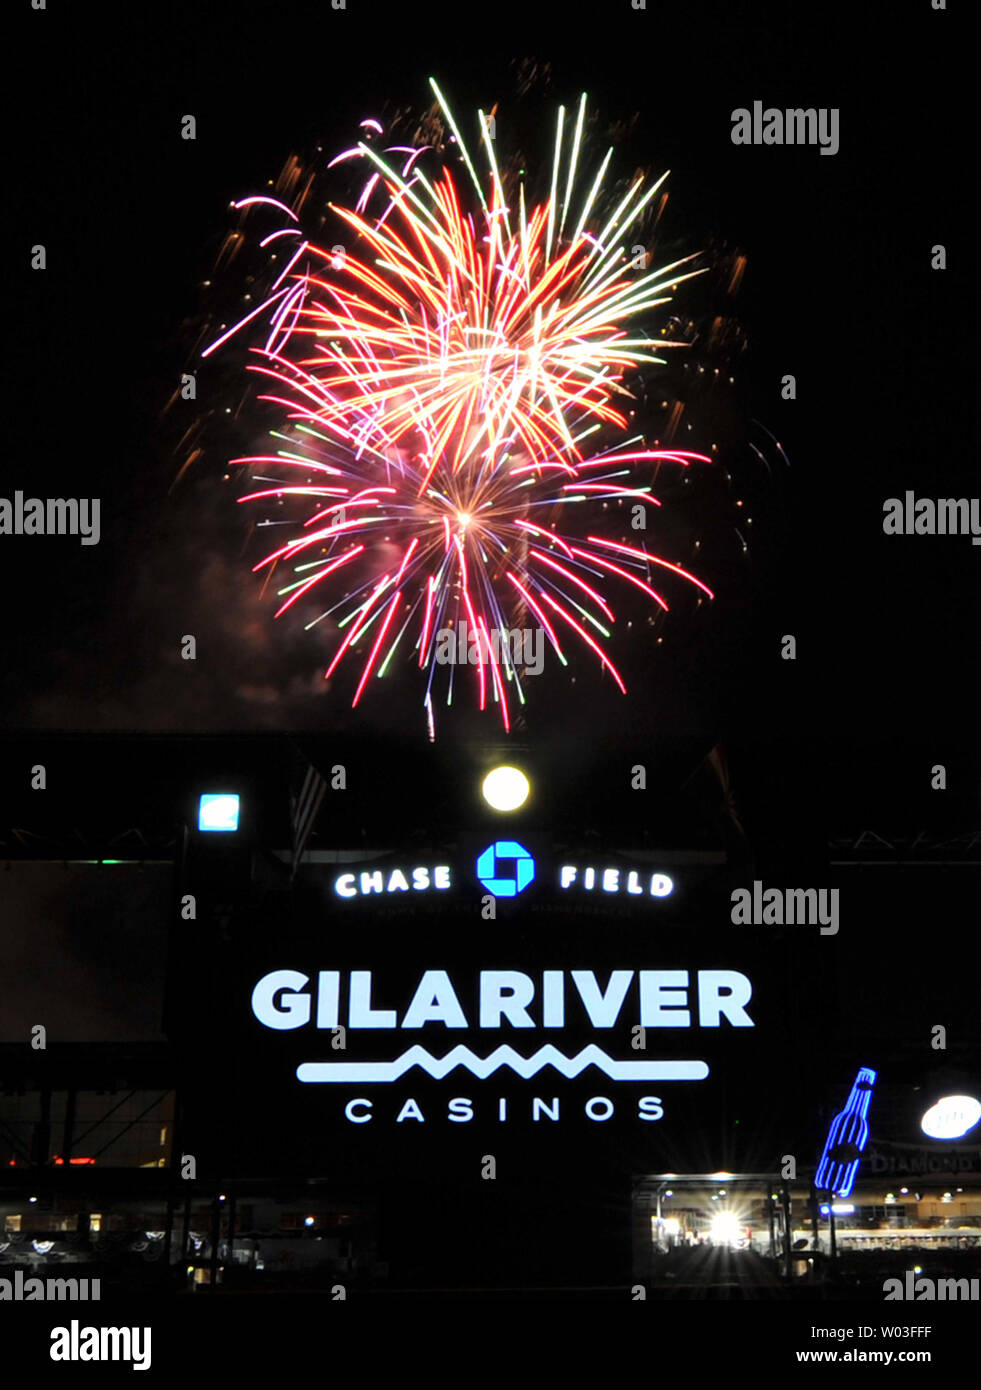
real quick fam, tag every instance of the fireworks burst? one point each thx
(442, 386)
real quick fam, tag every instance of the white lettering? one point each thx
(495, 1004)
(360, 1012)
(434, 1001)
(553, 999)
(614, 880)
(291, 1012)
(723, 993)
(603, 1009)
(662, 1006)
(397, 880)
(328, 988)
(282, 1000)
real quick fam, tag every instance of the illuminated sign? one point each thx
(846, 1140)
(282, 1000)
(287, 999)
(505, 885)
(616, 880)
(368, 881)
(460, 1109)
(505, 869)
(951, 1117)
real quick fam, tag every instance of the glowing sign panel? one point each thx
(951, 1117)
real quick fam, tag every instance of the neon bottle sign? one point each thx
(847, 1137)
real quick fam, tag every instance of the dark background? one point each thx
(838, 291)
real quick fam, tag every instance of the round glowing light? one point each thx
(951, 1117)
(505, 788)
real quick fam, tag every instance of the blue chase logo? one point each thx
(508, 853)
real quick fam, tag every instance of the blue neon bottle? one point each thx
(846, 1140)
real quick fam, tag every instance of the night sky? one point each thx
(837, 290)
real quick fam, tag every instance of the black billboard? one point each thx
(507, 994)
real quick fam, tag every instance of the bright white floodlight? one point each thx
(505, 788)
(726, 1228)
(218, 811)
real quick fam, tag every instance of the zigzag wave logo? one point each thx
(482, 1067)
